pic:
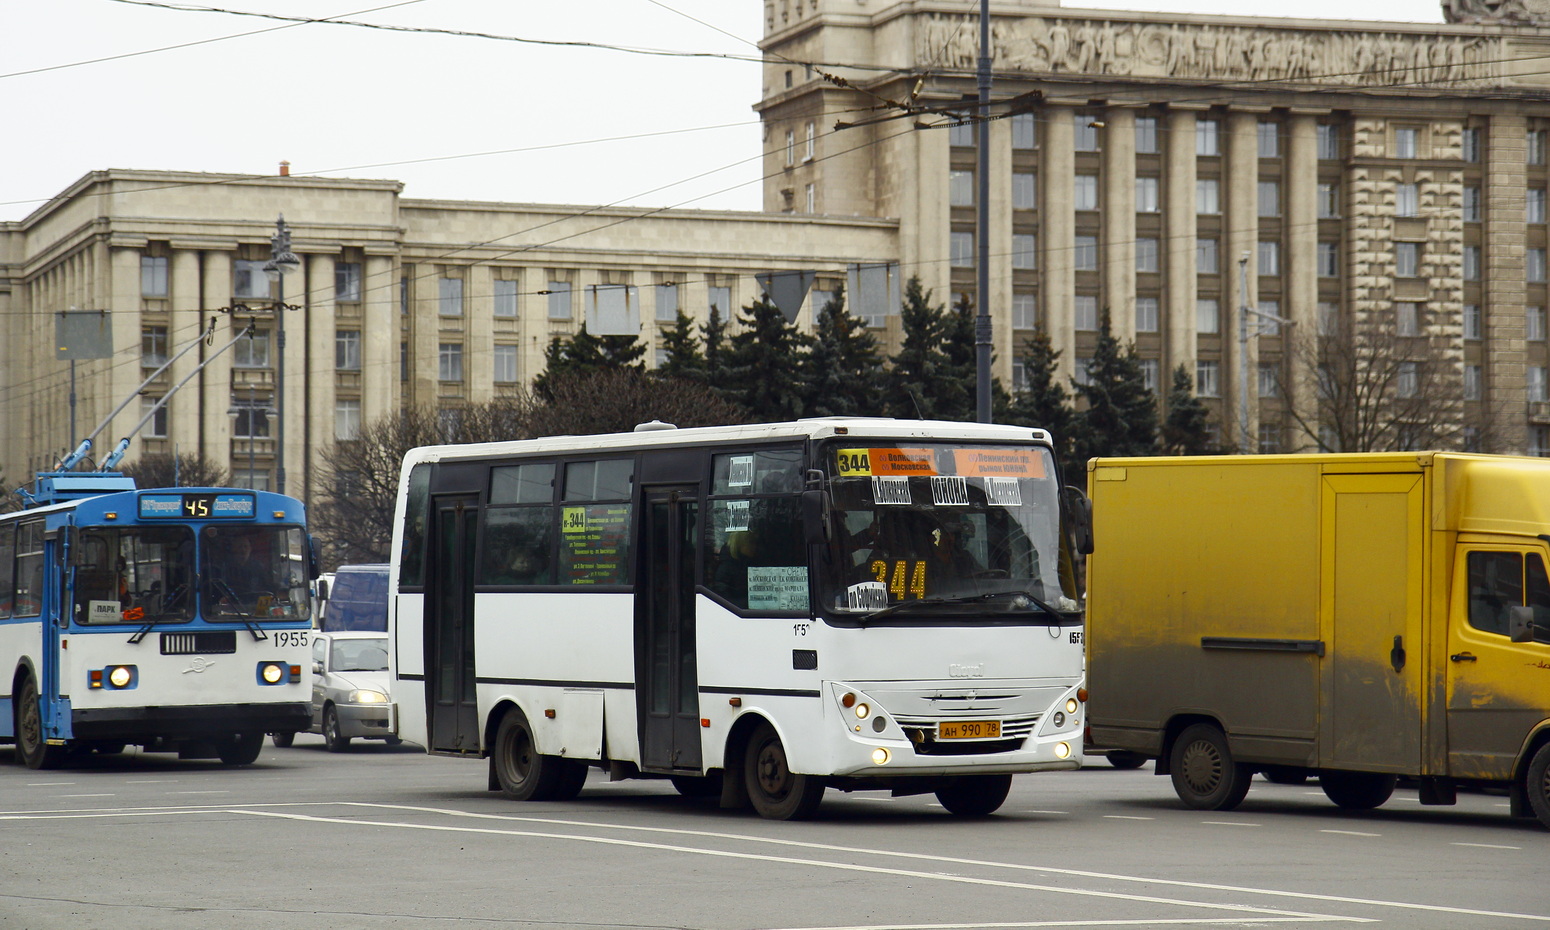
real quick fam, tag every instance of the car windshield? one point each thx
(253, 571)
(360, 655)
(133, 574)
(938, 523)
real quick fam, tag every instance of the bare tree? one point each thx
(166, 470)
(1375, 390)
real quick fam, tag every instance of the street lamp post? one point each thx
(1251, 322)
(282, 261)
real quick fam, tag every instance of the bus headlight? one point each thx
(120, 676)
(863, 711)
(271, 673)
(1071, 705)
(367, 697)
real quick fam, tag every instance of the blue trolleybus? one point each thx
(173, 619)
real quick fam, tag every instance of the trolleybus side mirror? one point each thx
(1520, 624)
(815, 516)
(1079, 518)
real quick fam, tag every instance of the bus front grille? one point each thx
(215, 642)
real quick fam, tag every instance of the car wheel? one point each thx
(524, 774)
(697, 786)
(1539, 784)
(332, 738)
(241, 749)
(975, 795)
(775, 791)
(31, 745)
(1205, 776)
(393, 741)
(1357, 791)
(283, 740)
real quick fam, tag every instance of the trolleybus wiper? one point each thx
(1027, 597)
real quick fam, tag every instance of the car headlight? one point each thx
(367, 697)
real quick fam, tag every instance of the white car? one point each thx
(349, 691)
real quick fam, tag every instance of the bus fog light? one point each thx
(863, 711)
(880, 756)
(879, 724)
(1062, 750)
(272, 673)
(1071, 705)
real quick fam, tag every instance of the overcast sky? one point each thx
(93, 84)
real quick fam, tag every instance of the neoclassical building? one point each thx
(1170, 169)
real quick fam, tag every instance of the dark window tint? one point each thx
(411, 569)
(530, 483)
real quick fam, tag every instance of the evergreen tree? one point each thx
(584, 353)
(767, 364)
(1121, 414)
(917, 372)
(1044, 403)
(715, 333)
(846, 365)
(1184, 427)
(683, 357)
(958, 388)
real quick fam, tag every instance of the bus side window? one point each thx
(1495, 586)
(1539, 597)
(28, 600)
(411, 571)
(7, 567)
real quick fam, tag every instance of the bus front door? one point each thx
(669, 691)
(449, 629)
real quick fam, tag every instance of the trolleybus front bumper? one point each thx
(208, 721)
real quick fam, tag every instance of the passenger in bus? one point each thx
(731, 578)
(238, 577)
(950, 556)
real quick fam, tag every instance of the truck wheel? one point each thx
(1539, 784)
(1357, 791)
(775, 791)
(31, 746)
(1125, 759)
(1205, 776)
(975, 795)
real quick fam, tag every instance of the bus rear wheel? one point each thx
(975, 795)
(1539, 784)
(1357, 791)
(524, 773)
(1205, 775)
(31, 745)
(240, 749)
(775, 791)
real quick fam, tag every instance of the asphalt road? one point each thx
(385, 837)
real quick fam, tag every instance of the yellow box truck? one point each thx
(1355, 617)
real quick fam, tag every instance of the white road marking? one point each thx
(1145, 922)
(1230, 823)
(1124, 817)
(1485, 846)
(1350, 833)
(51, 784)
(86, 795)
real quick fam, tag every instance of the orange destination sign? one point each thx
(854, 462)
(999, 463)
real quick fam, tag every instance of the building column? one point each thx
(1118, 200)
(1182, 282)
(123, 294)
(381, 333)
(215, 274)
(478, 299)
(1506, 177)
(1302, 283)
(186, 320)
(319, 385)
(1241, 238)
(1058, 239)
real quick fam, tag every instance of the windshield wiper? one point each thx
(1026, 596)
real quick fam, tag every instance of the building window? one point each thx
(1269, 258)
(1407, 259)
(1086, 139)
(961, 135)
(1329, 201)
(156, 426)
(248, 279)
(251, 351)
(1269, 198)
(347, 350)
(1147, 199)
(1534, 324)
(1086, 312)
(1329, 259)
(403, 361)
(1534, 206)
(1536, 146)
(1083, 375)
(1024, 310)
(1269, 380)
(1270, 319)
(1409, 380)
(1406, 142)
(1539, 441)
(1150, 368)
(1269, 136)
(1536, 383)
(1269, 439)
(791, 147)
(1023, 127)
(810, 197)
(1329, 318)
(1207, 197)
(1329, 142)
(153, 276)
(403, 296)
(1206, 252)
(153, 346)
(1407, 318)
(251, 417)
(962, 244)
(1473, 323)
(1146, 135)
(347, 282)
(1207, 137)
(1024, 191)
(1208, 315)
(1206, 381)
(667, 302)
(812, 142)
(1147, 259)
(505, 364)
(1472, 204)
(1023, 254)
(347, 420)
(1534, 263)
(1407, 200)
(960, 188)
(1471, 144)
(449, 361)
(505, 299)
(1473, 382)
(1146, 314)
(559, 300)
(1471, 263)
(1084, 192)
(719, 300)
(449, 296)
(1086, 254)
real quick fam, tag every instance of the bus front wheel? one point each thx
(1205, 775)
(524, 773)
(1539, 784)
(31, 744)
(775, 791)
(975, 795)
(240, 749)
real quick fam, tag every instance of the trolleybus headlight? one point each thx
(1071, 705)
(367, 697)
(271, 673)
(880, 756)
(863, 711)
(119, 676)
(1062, 750)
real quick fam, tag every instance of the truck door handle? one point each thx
(1462, 657)
(1397, 654)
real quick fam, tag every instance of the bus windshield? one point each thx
(935, 523)
(133, 574)
(254, 571)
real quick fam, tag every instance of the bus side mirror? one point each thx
(815, 516)
(312, 557)
(1520, 624)
(1079, 518)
